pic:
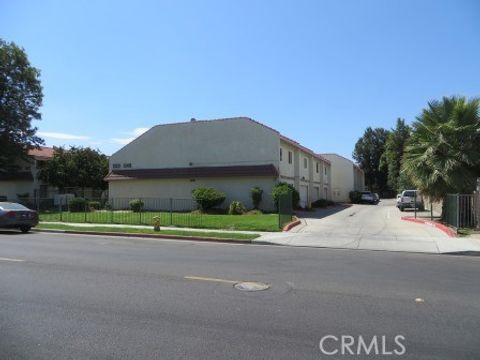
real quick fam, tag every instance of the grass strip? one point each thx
(261, 222)
(213, 235)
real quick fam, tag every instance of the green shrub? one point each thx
(320, 203)
(284, 188)
(78, 204)
(236, 208)
(136, 205)
(208, 198)
(256, 195)
(355, 197)
(94, 205)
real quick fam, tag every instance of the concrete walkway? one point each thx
(90, 225)
(369, 227)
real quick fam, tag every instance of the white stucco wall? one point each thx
(287, 170)
(10, 189)
(201, 143)
(342, 177)
(234, 188)
(304, 172)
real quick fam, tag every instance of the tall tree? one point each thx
(443, 153)
(391, 160)
(76, 168)
(368, 152)
(20, 100)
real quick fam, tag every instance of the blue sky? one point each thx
(320, 72)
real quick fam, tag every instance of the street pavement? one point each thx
(369, 227)
(68, 296)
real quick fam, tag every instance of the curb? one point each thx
(148, 236)
(447, 230)
(292, 224)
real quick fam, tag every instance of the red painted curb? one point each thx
(447, 230)
(291, 225)
(149, 236)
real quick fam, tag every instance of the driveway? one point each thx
(369, 227)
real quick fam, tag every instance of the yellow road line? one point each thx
(9, 259)
(201, 278)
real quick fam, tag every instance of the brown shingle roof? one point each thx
(193, 172)
(43, 152)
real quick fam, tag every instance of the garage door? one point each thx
(303, 196)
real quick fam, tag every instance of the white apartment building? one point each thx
(346, 177)
(231, 155)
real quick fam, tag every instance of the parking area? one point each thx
(369, 227)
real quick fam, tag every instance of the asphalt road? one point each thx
(79, 297)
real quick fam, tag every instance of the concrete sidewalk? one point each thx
(369, 227)
(375, 242)
(90, 225)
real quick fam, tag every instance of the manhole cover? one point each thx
(251, 286)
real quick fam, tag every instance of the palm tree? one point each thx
(443, 154)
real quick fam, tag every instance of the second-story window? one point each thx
(281, 154)
(317, 167)
(127, 165)
(290, 156)
(305, 163)
(325, 172)
(116, 166)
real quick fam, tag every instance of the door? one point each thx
(303, 196)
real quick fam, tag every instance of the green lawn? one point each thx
(262, 222)
(213, 235)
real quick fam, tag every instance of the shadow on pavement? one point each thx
(10, 232)
(463, 253)
(321, 213)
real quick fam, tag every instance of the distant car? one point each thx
(411, 199)
(376, 197)
(368, 197)
(17, 216)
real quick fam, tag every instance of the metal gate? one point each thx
(463, 210)
(285, 209)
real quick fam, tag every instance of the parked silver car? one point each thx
(411, 199)
(368, 197)
(17, 216)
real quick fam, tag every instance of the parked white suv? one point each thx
(411, 199)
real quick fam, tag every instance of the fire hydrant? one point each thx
(156, 223)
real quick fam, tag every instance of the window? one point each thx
(290, 155)
(127, 165)
(281, 154)
(325, 172)
(317, 167)
(116, 166)
(305, 163)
